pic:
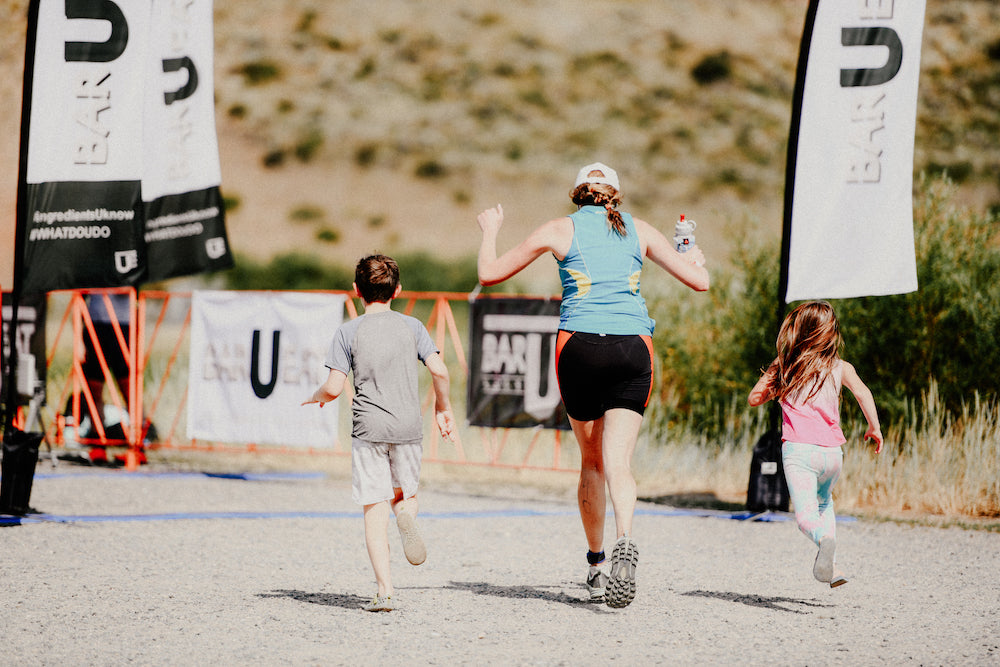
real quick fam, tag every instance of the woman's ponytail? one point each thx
(601, 194)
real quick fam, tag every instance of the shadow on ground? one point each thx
(774, 603)
(521, 592)
(327, 599)
(706, 500)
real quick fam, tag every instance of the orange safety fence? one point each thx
(156, 348)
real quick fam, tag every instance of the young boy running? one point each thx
(381, 348)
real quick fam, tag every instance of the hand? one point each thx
(491, 219)
(695, 256)
(312, 399)
(446, 424)
(875, 433)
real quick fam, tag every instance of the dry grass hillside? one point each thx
(348, 126)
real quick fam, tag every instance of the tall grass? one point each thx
(938, 462)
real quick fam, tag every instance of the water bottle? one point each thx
(684, 234)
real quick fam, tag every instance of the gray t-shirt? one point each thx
(381, 349)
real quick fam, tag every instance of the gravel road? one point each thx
(188, 568)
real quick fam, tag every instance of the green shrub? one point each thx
(274, 158)
(431, 169)
(291, 271)
(419, 272)
(309, 144)
(327, 235)
(306, 213)
(713, 67)
(259, 72)
(423, 272)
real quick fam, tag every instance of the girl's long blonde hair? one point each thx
(809, 344)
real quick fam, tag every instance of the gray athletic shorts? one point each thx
(378, 468)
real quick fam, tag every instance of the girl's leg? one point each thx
(811, 472)
(833, 463)
(590, 491)
(377, 541)
(621, 430)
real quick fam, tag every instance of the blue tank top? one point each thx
(600, 278)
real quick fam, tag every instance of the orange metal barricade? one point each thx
(155, 345)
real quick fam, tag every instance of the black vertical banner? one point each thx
(122, 172)
(83, 209)
(29, 335)
(512, 379)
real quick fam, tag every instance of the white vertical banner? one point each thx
(185, 229)
(851, 225)
(255, 356)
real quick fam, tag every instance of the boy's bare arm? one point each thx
(442, 402)
(329, 390)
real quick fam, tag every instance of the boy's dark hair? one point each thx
(377, 277)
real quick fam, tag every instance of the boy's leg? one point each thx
(406, 521)
(371, 487)
(404, 463)
(377, 541)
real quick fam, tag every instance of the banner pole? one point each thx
(790, 164)
(20, 224)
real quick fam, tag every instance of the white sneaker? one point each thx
(413, 543)
(823, 567)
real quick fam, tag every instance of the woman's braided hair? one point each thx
(601, 194)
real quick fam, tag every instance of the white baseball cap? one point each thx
(610, 176)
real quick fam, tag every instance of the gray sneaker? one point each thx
(621, 585)
(413, 543)
(823, 567)
(597, 585)
(379, 603)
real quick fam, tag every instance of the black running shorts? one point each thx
(599, 372)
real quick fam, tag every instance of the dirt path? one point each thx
(185, 568)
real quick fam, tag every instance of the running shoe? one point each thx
(621, 585)
(823, 567)
(597, 585)
(838, 579)
(379, 603)
(413, 543)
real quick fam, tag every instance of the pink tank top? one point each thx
(816, 421)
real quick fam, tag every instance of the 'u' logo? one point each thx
(263, 390)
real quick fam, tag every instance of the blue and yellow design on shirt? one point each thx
(600, 278)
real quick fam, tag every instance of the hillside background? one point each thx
(348, 126)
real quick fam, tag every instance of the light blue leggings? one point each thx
(811, 471)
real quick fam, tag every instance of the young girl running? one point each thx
(806, 378)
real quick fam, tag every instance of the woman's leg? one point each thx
(590, 491)
(621, 430)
